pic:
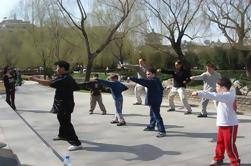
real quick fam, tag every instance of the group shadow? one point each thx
(206, 135)
(143, 152)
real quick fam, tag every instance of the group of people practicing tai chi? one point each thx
(215, 88)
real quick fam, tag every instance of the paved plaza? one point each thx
(190, 141)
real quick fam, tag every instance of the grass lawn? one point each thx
(2, 89)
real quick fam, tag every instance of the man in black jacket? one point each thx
(181, 77)
(63, 103)
(10, 88)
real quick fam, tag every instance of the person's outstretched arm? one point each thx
(106, 83)
(141, 81)
(124, 88)
(40, 81)
(135, 67)
(222, 97)
(198, 77)
(85, 85)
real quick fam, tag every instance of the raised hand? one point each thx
(194, 93)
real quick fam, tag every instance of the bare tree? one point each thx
(39, 14)
(122, 6)
(55, 27)
(118, 49)
(176, 17)
(233, 18)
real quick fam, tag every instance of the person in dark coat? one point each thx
(10, 86)
(181, 77)
(63, 103)
(154, 96)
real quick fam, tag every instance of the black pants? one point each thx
(66, 129)
(10, 98)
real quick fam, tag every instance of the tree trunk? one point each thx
(181, 56)
(89, 68)
(45, 69)
(178, 51)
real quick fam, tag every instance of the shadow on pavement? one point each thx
(144, 125)
(245, 121)
(241, 164)
(34, 111)
(144, 152)
(127, 115)
(195, 135)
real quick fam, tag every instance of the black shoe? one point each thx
(123, 123)
(202, 116)
(53, 111)
(148, 129)
(188, 112)
(159, 135)
(2, 145)
(137, 103)
(59, 139)
(114, 121)
(103, 113)
(170, 110)
(90, 112)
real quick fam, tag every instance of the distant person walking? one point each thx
(10, 86)
(19, 79)
(154, 94)
(180, 77)
(227, 122)
(141, 69)
(116, 89)
(96, 96)
(63, 103)
(209, 78)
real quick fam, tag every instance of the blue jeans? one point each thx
(155, 117)
(118, 105)
(118, 114)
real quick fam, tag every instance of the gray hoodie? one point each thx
(209, 80)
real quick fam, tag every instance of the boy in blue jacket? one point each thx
(116, 89)
(154, 96)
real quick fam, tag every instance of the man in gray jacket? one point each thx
(209, 78)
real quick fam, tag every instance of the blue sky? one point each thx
(6, 6)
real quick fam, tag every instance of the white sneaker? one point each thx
(74, 147)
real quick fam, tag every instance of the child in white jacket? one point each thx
(226, 121)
